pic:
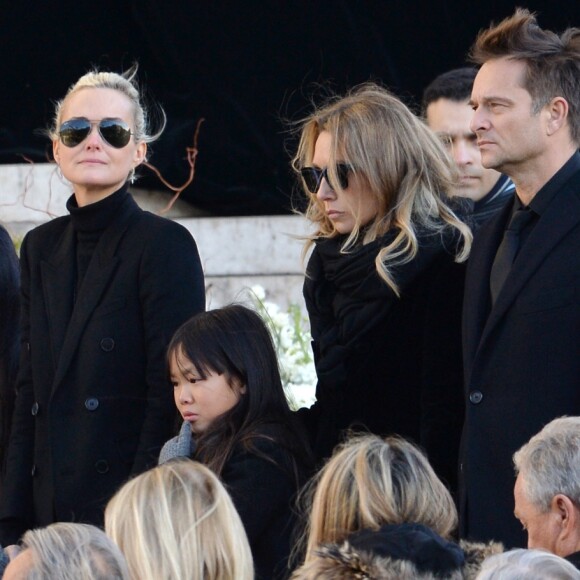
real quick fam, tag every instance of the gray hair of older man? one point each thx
(528, 564)
(74, 552)
(549, 463)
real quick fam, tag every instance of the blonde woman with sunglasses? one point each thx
(103, 290)
(383, 289)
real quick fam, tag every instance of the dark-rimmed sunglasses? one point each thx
(113, 131)
(312, 176)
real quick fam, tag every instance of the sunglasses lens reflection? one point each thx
(75, 131)
(114, 133)
(342, 171)
(312, 176)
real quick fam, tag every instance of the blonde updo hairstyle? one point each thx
(178, 521)
(402, 162)
(126, 84)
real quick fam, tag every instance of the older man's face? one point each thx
(542, 527)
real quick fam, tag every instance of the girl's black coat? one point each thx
(94, 404)
(264, 486)
(387, 364)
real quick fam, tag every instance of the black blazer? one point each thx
(94, 404)
(264, 487)
(522, 358)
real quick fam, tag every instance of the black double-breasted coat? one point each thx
(94, 404)
(521, 357)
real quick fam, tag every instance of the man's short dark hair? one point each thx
(454, 85)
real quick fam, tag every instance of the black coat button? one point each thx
(107, 344)
(476, 397)
(102, 466)
(92, 404)
(34, 409)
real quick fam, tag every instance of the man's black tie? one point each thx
(508, 250)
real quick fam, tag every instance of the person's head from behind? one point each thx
(178, 521)
(522, 564)
(68, 551)
(526, 94)
(547, 489)
(224, 371)
(448, 113)
(369, 482)
(100, 133)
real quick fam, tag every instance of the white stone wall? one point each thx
(30, 194)
(236, 253)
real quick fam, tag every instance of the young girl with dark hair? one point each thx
(237, 421)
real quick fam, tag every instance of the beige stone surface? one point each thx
(236, 253)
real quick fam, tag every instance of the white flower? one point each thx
(258, 292)
(291, 335)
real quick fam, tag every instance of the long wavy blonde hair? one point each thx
(178, 521)
(369, 482)
(401, 161)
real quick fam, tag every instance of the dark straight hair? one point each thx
(454, 85)
(234, 341)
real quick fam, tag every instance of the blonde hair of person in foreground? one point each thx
(370, 481)
(178, 521)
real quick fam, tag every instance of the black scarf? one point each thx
(346, 299)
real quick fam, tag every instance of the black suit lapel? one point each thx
(477, 301)
(58, 282)
(97, 278)
(560, 217)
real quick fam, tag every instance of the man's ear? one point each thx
(568, 518)
(557, 114)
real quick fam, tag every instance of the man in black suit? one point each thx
(522, 298)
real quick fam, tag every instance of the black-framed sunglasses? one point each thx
(113, 131)
(312, 176)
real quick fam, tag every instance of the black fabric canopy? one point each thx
(246, 67)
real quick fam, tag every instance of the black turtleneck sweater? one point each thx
(89, 223)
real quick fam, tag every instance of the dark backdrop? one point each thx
(247, 67)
